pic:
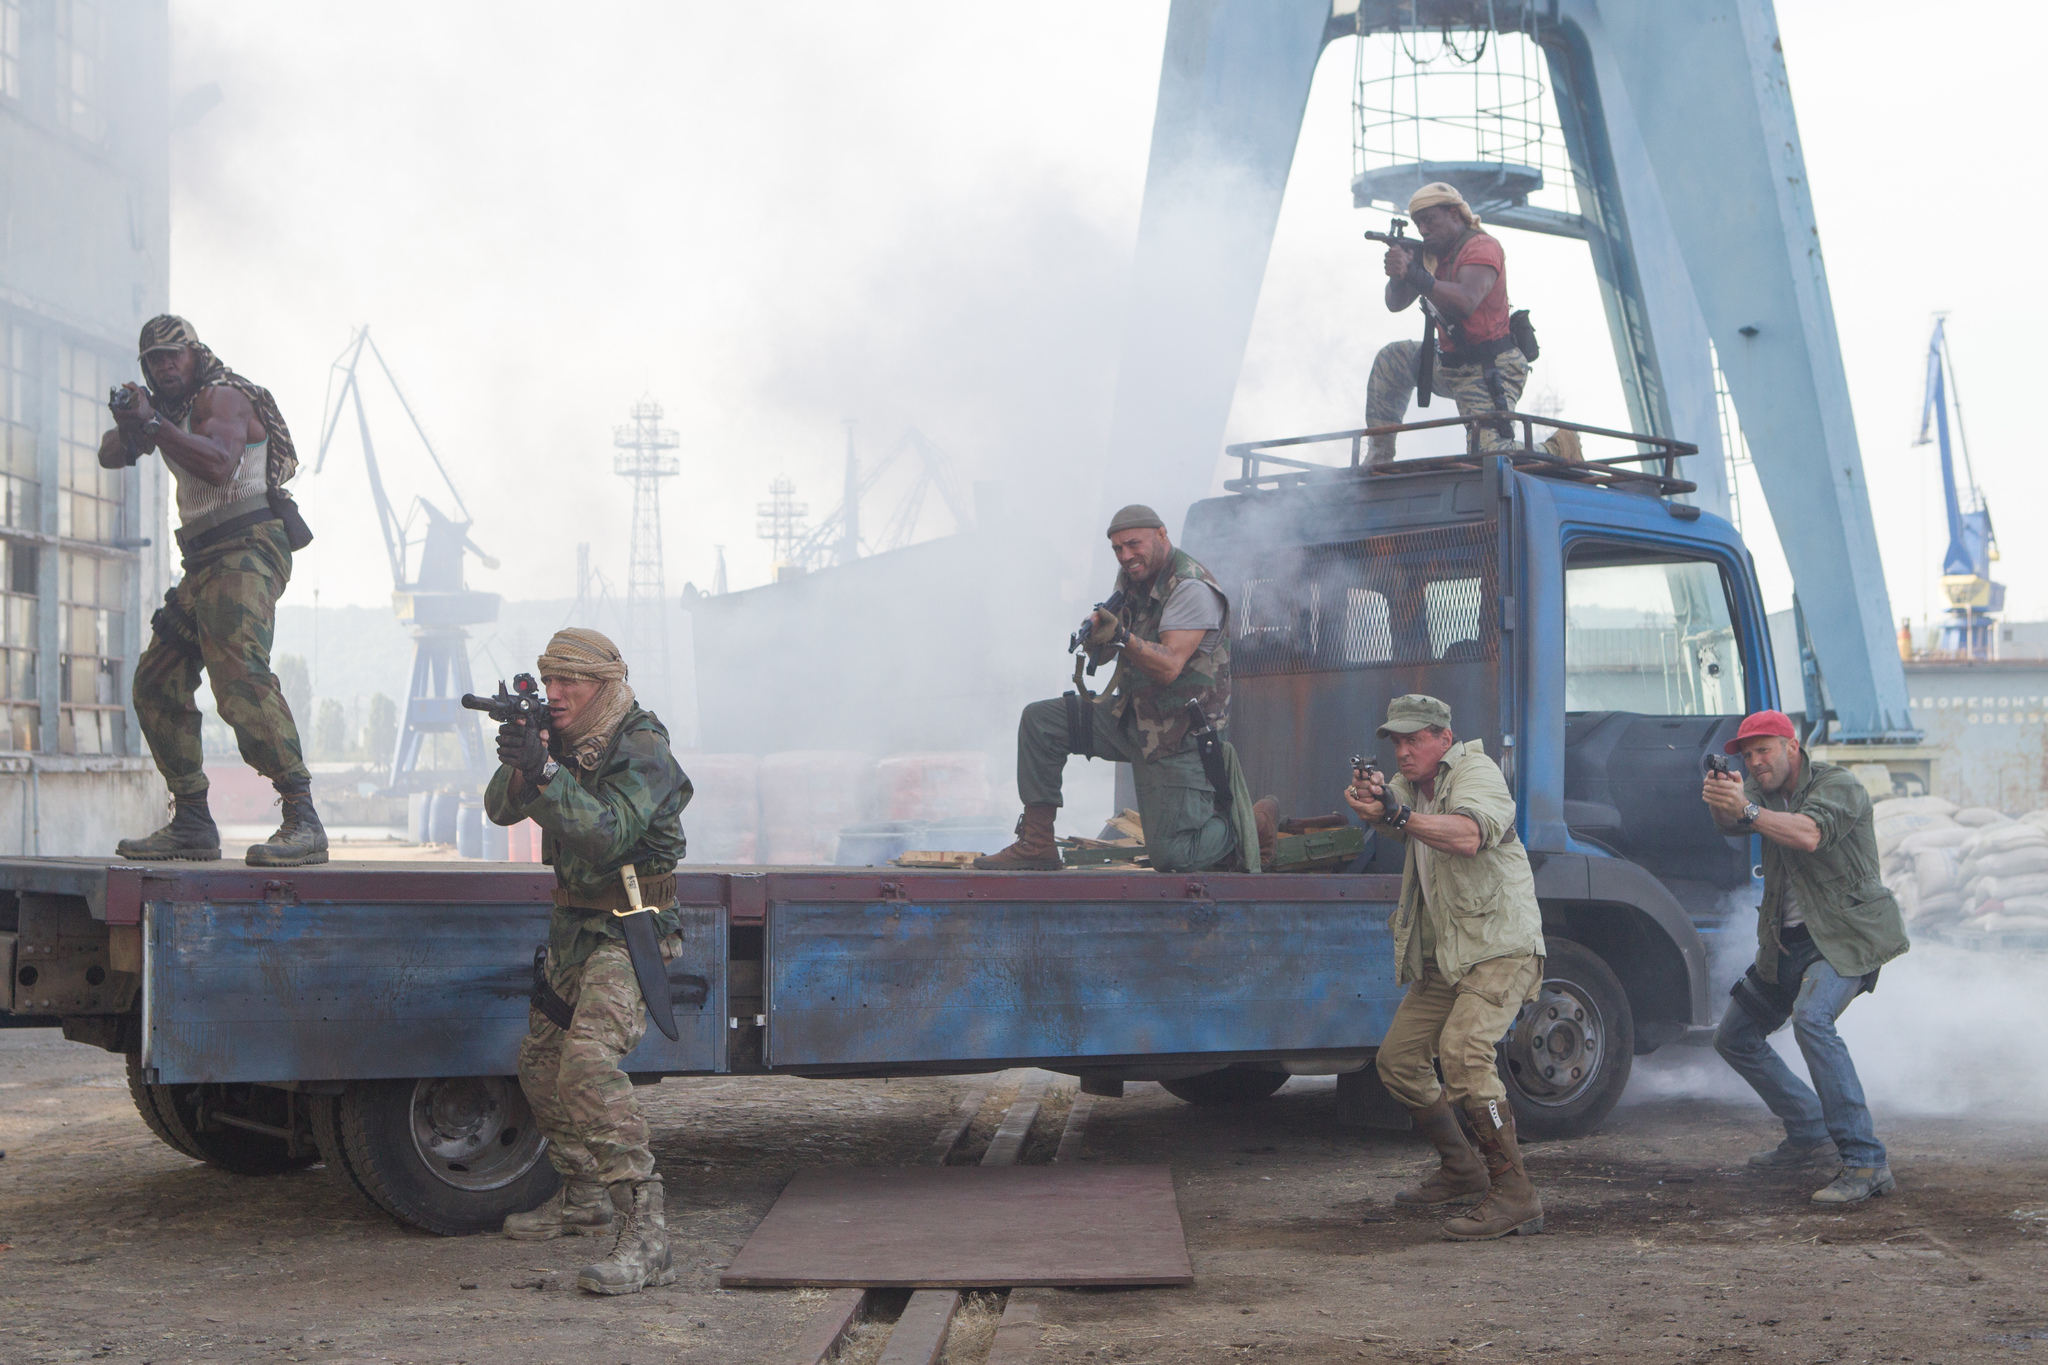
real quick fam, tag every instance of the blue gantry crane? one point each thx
(1974, 601)
(1692, 198)
(434, 601)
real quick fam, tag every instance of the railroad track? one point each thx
(918, 1334)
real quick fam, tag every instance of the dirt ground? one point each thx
(1660, 1245)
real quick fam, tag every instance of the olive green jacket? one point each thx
(625, 809)
(1854, 920)
(1480, 907)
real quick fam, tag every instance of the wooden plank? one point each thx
(963, 1119)
(1015, 1130)
(1018, 1331)
(826, 1331)
(963, 1227)
(920, 1334)
(1076, 1131)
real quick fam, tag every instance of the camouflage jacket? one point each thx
(626, 809)
(1159, 710)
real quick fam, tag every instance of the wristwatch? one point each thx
(1750, 813)
(548, 771)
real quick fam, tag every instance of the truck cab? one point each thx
(1599, 636)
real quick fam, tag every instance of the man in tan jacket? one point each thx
(1468, 945)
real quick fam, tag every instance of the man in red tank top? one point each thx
(1479, 366)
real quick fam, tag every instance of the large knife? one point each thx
(645, 950)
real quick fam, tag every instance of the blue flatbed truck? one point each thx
(367, 1015)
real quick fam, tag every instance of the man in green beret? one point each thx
(1167, 628)
(1468, 945)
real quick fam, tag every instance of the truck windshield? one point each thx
(1653, 636)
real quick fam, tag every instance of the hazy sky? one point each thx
(772, 219)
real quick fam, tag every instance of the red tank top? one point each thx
(1489, 321)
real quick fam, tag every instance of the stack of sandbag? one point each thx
(2004, 873)
(1917, 842)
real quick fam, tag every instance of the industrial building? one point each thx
(85, 213)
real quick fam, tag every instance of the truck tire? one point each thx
(451, 1155)
(1567, 1058)
(172, 1111)
(1230, 1086)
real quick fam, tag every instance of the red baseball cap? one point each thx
(1762, 723)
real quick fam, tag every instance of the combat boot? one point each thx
(1856, 1184)
(300, 840)
(1266, 817)
(1035, 849)
(640, 1255)
(191, 835)
(1791, 1155)
(580, 1208)
(1462, 1174)
(1511, 1205)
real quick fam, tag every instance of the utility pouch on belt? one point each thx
(1080, 716)
(1523, 332)
(176, 626)
(297, 534)
(544, 998)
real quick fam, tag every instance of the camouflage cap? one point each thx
(1133, 517)
(166, 332)
(1406, 715)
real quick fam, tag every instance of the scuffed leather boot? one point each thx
(299, 841)
(580, 1208)
(1462, 1173)
(1790, 1155)
(191, 835)
(1511, 1205)
(1266, 817)
(1856, 1184)
(640, 1256)
(1035, 849)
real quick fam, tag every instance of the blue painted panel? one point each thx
(882, 983)
(329, 991)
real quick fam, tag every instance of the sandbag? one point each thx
(2005, 888)
(1978, 816)
(1936, 870)
(1892, 806)
(1996, 838)
(2014, 862)
(1940, 836)
(1891, 832)
(1934, 909)
(1999, 921)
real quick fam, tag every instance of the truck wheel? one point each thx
(172, 1113)
(1231, 1085)
(1567, 1059)
(451, 1155)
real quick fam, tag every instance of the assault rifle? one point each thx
(1433, 322)
(525, 702)
(1079, 639)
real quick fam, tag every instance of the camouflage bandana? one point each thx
(166, 332)
(579, 653)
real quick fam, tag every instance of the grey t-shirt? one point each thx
(1193, 605)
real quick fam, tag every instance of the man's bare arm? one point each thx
(1454, 833)
(1725, 800)
(1163, 662)
(1457, 297)
(223, 422)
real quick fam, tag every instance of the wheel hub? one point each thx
(1557, 1043)
(475, 1132)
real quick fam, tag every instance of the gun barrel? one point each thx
(473, 702)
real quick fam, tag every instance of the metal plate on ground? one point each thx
(960, 1227)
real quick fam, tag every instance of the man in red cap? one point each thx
(1826, 925)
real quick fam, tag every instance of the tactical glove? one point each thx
(1419, 278)
(521, 748)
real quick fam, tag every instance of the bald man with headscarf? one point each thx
(1462, 270)
(606, 791)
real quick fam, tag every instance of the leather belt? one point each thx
(215, 534)
(1475, 353)
(656, 893)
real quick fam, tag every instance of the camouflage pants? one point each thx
(1184, 831)
(1392, 384)
(220, 619)
(582, 1101)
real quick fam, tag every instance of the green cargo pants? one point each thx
(1184, 832)
(220, 619)
(1392, 384)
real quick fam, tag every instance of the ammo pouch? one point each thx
(1523, 333)
(285, 507)
(558, 1011)
(176, 627)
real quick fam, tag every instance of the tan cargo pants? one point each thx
(1460, 1023)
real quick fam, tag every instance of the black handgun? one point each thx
(121, 398)
(524, 702)
(1366, 770)
(1717, 763)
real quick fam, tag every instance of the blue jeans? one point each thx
(1838, 1111)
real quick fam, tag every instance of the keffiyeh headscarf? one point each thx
(169, 332)
(580, 653)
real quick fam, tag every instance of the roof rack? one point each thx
(1527, 457)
